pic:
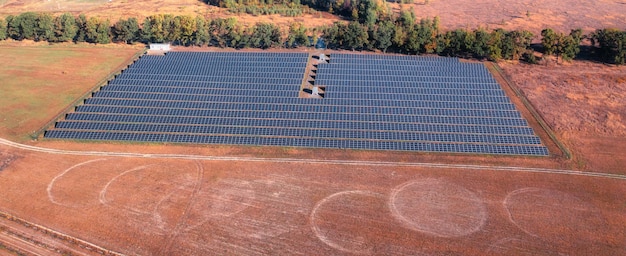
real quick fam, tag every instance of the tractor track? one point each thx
(20, 236)
(312, 161)
(25, 238)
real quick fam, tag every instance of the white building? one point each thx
(159, 47)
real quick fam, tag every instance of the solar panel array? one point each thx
(378, 102)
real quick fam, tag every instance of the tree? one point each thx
(404, 24)
(367, 12)
(480, 49)
(383, 35)
(145, 33)
(45, 27)
(334, 34)
(495, 44)
(126, 31)
(98, 31)
(225, 32)
(406, 19)
(265, 35)
(92, 30)
(561, 45)
(413, 42)
(297, 35)
(455, 43)
(399, 37)
(65, 28)
(355, 36)
(3, 29)
(103, 32)
(549, 41)
(187, 29)
(201, 35)
(515, 43)
(171, 28)
(611, 44)
(81, 23)
(245, 39)
(22, 26)
(153, 30)
(427, 32)
(569, 47)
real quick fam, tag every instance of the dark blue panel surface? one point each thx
(377, 102)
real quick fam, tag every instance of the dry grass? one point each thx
(585, 104)
(509, 14)
(533, 15)
(115, 10)
(43, 79)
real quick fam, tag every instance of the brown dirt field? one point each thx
(585, 104)
(526, 14)
(114, 10)
(533, 15)
(153, 206)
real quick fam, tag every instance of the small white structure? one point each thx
(323, 58)
(160, 47)
(315, 91)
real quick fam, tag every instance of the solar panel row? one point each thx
(232, 55)
(193, 90)
(302, 142)
(253, 87)
(416, 97)
(301, 109)
(221, 83)
(258, 92)
(304, 124)
(400, 84)
(192, 97)
(411, 58)
(298, 132)
(220, 64)
(476, 67)
(419, 91)
(277, 73)
(191, 78)
(407, 78)
(361, 117)
(449, 74)
(296, 101)
(385, 62)
(372, 102)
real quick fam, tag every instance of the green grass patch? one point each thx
(38, 82)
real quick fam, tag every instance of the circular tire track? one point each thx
(438, 208)
(63, 195)
(339, 219)
(555, 216)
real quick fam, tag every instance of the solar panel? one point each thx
(376, 102)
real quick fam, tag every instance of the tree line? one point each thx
(289, 8)
(378, 31)
(351, 9)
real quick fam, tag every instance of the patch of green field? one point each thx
(38, 82)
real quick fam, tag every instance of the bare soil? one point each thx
(532, 15)
(152, 206)
(114, 10)
(584, 103)
(561, 15)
